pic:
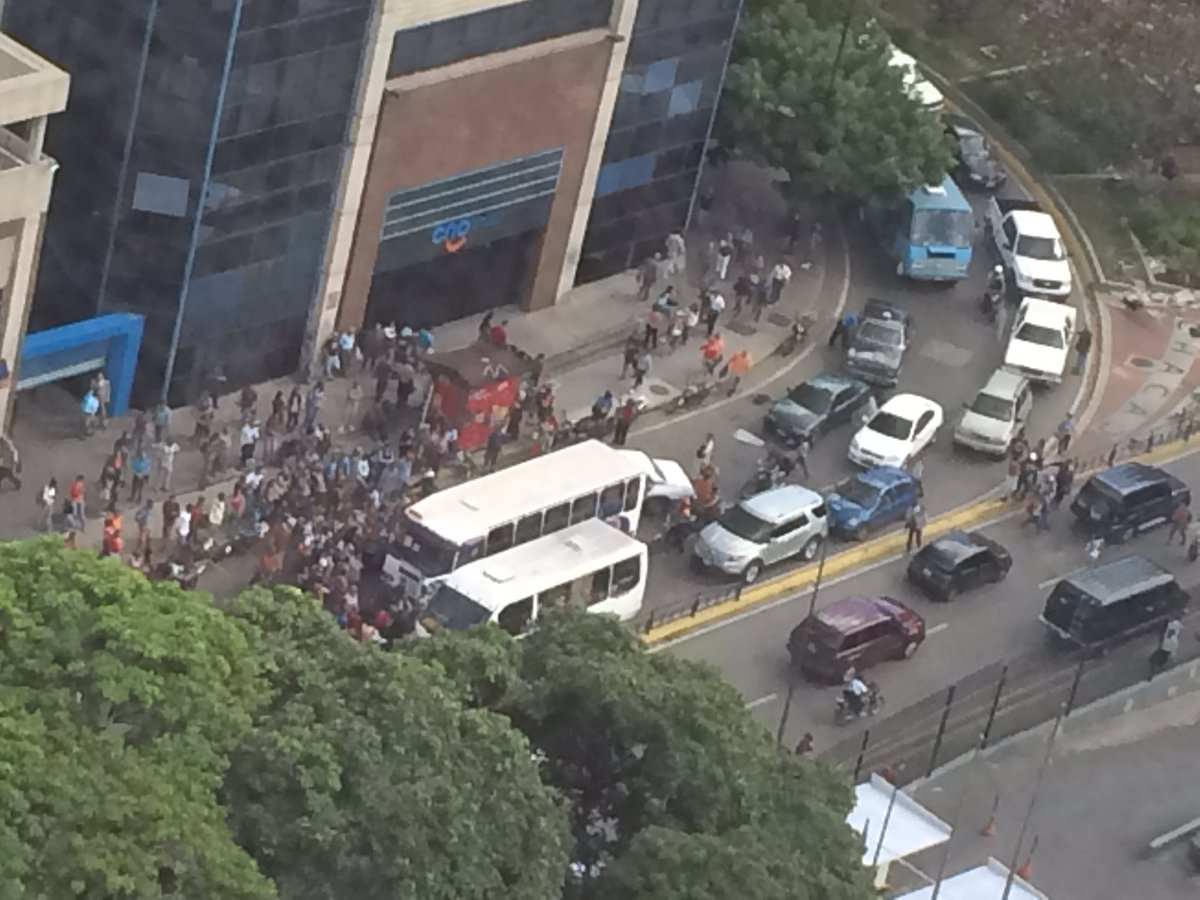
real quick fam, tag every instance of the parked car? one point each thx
(779, 523)
(815, 407)
(870, 500)
(876, 349)
(1102, 602)
(974, 164)
(958, 561)
(1123, 500)
(900, 429)
(916, 85)
(854, 634)
(1040, 341)
(1030, 248)
(991, 421)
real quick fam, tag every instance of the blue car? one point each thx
(870, 500)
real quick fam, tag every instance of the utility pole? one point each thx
(812, 606)
(1037, 785)
(851, 9)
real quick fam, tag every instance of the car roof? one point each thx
(883, 476)
(1004, 383)
(829, 381)
(857, 612)
(1035, 223)
(885, 309)
(1116, 580)
(957, 545)
(1130, 476)
(777, 503)
(908, 405)
(1042, 312)
(961, 124)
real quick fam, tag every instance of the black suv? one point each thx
(876, 349)
(1119, 502)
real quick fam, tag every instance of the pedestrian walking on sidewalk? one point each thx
(1083, 346)
(165, 451)
(712, 351)
(648, 276)
(716, 306)
(653, 324)
(170, 513)
(843, 330)
(704, 452)
(1065, 432)
(743, 290)
(1181, 518)
(781, 274)
(630, 353)
(249, 441)
(295, 403)
(1168, 646)
(10, 462)
(312, 405)
(642, 368)
(491, 452)
(743, 244)
(89, 408)
(103, 389)
(914, 524)
(139, 468)
(354, 397)
(724, 257)
(676, 255)
(162, 421)
(77, 502)
(142, 519)
(47, 498)
(1063, 480)
(625, 416)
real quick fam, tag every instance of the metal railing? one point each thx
(1002, 700)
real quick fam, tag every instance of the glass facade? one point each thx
(652, 157)
(273, 123)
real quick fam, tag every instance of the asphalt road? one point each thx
(982, 627)
(954, 352)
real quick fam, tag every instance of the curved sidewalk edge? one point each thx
(979, 512)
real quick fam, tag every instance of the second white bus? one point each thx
(489, 515)
(590, 566)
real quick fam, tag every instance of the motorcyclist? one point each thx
(855, 693)
(995, 285)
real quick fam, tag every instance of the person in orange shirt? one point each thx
(739, 364)
(711, 351)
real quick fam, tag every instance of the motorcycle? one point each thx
(693, 394)
(771, 472)
(796, 335)
(846, 710)
(992, 298)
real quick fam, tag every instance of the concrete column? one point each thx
(623, 16)
(14, 312)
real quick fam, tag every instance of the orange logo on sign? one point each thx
(453, 245)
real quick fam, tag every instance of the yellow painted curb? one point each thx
(869, 552)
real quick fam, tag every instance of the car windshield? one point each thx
(891, 425)
(942, 228)
(742, 523)
(812, 398)
(1040, 334)
(432, 555)
(992, 407)
(1040, 248)
(939, 557)
(883, 334)
(858, 492)
(972, 144)
(455, 611)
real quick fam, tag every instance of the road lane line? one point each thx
(761, 701)
(937, 629)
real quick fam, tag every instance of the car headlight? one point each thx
(852, 353)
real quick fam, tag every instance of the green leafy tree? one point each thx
(366, 777)
(842, 127)
(119, 700)
(666, 775)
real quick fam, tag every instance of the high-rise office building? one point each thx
(253, 174)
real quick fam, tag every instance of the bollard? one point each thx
(695, 606)
(989, 830)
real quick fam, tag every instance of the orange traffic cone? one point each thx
(989, 830)
(1025, 869)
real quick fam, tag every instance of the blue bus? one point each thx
(934, 230)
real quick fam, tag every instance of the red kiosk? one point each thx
(475, 387)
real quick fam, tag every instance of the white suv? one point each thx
(1040, 340)
(990, 421)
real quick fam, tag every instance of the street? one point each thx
(953, 353)
(980, 627)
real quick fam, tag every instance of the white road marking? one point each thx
(1057, 578)
(937, 629)
(761, 701)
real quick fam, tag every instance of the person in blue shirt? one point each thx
(89, 406)
(139, 466)
(844, 329)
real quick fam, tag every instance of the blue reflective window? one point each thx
(627, 173)
(684, 98)
(660, 76)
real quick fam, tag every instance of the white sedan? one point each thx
(1040, 340)
(899, 430)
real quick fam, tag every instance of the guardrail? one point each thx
(1002, 700)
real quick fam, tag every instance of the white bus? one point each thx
(590, 566)
(489, 515)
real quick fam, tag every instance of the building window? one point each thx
(660, 76)
(628, 173)
(162, 194)
(684, 98)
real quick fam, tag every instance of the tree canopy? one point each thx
(666, 776)
(119, 701)
(841, 127)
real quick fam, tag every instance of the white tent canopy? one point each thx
(982, 883)
(910, 828)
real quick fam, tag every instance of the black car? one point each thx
(876, 349)
(974, 164)
(957, 561)
(815, 406)
(1121, 501)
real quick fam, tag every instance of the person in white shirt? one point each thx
(250, 433)
(716, 306)
(780, 276)
(183, 526)
(216, 512)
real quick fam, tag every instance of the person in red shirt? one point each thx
(77, 501)
(498, 334)
(625, 416)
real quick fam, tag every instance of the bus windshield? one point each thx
(942, 228)
(431, 555)
(455, 611)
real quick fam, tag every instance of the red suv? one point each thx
(854, 633)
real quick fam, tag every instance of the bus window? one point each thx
(555, 597)
(500, 539)
(583, 508)
(611, 499)
(626, 574)
(515, 617)
(557, 518)
(600, 581)
(529, 528)
(633, 494)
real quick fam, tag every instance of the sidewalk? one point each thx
(582, 340)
